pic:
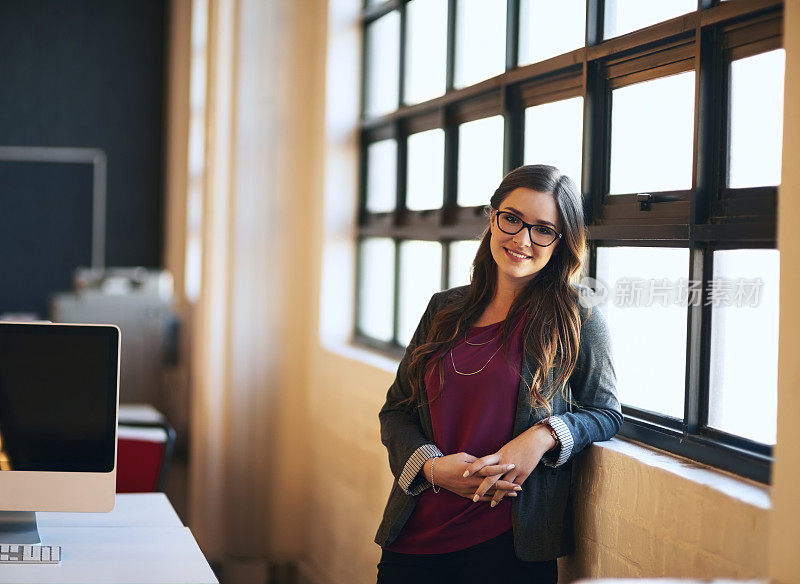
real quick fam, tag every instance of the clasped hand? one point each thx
(451, 473)
(494, 476)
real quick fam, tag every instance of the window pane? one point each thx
(425, 170)
(480, 40)
(420, 278)
(548, 28)
(652, 126)
(426, 49)
(480, 160)
(647, 318)
(383, 65)
(624, 16)
(461, 255)
(381, 176)
(376, 288)
(756, 130)
(554, 135)
(743, 386)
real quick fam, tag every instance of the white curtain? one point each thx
(250, 323)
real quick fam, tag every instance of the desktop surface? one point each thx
(141, 541)
(130, 510)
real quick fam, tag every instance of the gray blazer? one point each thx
(541, 514)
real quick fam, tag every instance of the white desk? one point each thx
(130, 510)
(141, 541)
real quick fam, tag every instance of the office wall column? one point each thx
(785, 517)
(177, 141)
(248, 469)
(211, 375)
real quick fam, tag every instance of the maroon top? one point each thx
(472, 414)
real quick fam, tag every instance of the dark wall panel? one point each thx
(47, 233)
(84, 73)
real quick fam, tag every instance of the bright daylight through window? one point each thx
(668, 115)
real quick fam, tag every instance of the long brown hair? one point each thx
(552, 320)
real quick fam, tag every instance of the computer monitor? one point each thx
(58, 422)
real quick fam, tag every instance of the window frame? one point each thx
(707, 217)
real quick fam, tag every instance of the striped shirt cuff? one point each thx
(564, 438)
(413, 466)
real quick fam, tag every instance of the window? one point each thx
(480, 160)
(382, 64)
(554, 135)
(624, 16)
(648, 331)
(756, 120)
(651, 135)
(480, 40)
(425, 170)
(426, 50)
(548, 29)
(667, 113)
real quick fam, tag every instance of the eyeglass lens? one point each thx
(540, 234)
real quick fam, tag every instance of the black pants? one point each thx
(491, 561)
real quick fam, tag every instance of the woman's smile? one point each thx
(517, 256)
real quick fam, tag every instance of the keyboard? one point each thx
(11, 553)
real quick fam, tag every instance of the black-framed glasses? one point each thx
(541, 235)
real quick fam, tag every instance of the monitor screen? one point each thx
(58, 397)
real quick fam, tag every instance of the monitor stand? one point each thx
(18, 527)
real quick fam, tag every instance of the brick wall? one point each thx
(642, 513)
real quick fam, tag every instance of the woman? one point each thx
(504, 381)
